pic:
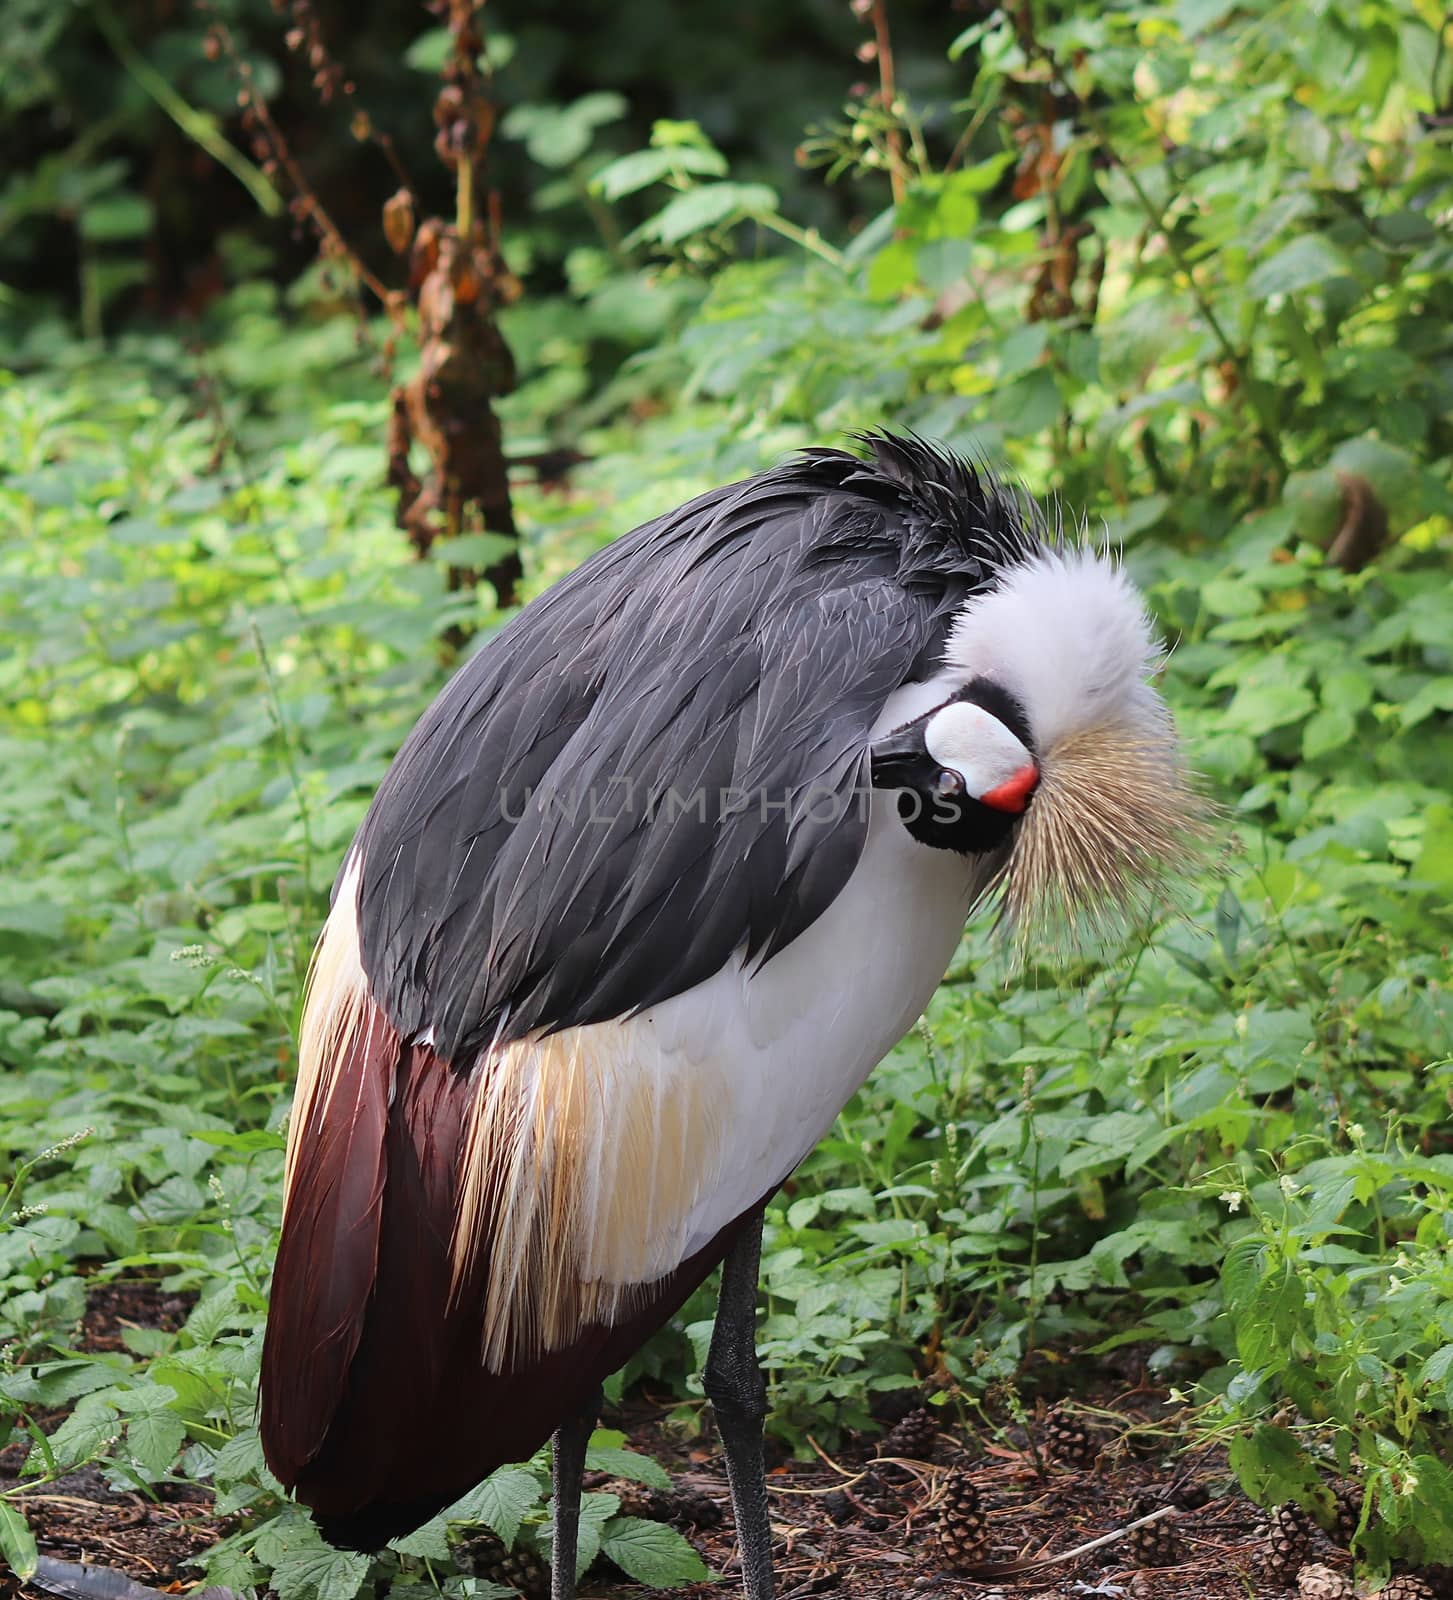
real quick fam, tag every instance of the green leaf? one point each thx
(154, 1438)
(17, 1543)
(429, 51)
(652, 1553)
(116, 217)
(1330, 729)
(1246, 1264)
(1273, 1467)
(1438, 1366)
(478, 550)
(642, 168)
(558, 136)
(1433, 866)
(1305, 262)
(241, 1457)
(319, 1570)
(1259, 708)
(501, 1502)
(211, 1315)
(626, 1464)
(429, 1542)
(596, 1510)
(708, 206)
(89, 1429)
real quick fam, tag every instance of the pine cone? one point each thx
(483, 1555)
(1347, 1510)
(636, 1500)
(1406, 1586)
(1155, 1544)
(1439, 1579)
(837, 1506)
(1322, 1583)
(914, 1437)
(890, 1406)
(1289, 1538)
(962, 1533)
(692, 1507)
(1065, 1438)
(683, 1506)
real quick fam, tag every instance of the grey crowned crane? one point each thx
(662, 874)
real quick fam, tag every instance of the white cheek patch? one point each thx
(974, 743)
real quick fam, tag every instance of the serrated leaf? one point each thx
(652, 1553)
(210, 1315)
(429, 1543)
(88, 1430)
(321, 1571)
(628, 1464)
(240, 1457)
(596, 1510)
(1438, 1365)
(228, 1565)
(501, 1502)
(154, 1437)
(17, 1542)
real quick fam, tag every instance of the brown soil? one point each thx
(860, 1528)
(81, 1517)
(856, 1527)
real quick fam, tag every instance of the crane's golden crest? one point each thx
(1114, 816)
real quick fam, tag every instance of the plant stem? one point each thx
(1245, 384)
(197, 126)
(888, 94)
(808, 238)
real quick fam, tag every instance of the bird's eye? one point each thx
(949, 782)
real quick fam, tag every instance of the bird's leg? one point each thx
(567, 1466)
(738, 1395)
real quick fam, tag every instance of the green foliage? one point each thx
(1199, 296)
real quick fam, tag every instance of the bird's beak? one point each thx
(972, 754)
(901, 760)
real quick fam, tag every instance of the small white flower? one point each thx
(1288, 1185)
(1394, 1283)
(1231, 1199)
(70, 1141)
(1356, 1132)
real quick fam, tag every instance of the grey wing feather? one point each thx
(563, 838)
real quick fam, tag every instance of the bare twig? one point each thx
(1009, 1569)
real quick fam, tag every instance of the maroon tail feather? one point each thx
(375, 1406)
(328, 1256)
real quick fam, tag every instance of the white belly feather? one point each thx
(601, 1157)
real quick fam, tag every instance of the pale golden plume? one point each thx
(585, 1153)
(335, 1006)
(1114, 821)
